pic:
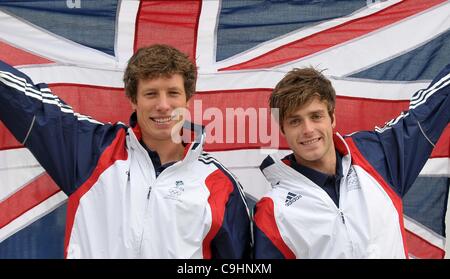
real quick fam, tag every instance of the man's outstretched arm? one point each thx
(400, 149)
(64, 142)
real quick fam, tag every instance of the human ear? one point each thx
(333, 120)
(133, 104)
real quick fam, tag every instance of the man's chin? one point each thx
(309, 150)
(162, 138)
(307, 156)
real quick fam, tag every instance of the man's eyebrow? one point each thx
(318, 111)
(310, 112)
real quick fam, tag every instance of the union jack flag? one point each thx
(376, 53)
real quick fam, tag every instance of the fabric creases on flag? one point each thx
(376, 53)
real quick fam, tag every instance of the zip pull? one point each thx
(149, 191)
(342, 217)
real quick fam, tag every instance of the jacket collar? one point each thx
(317, 177)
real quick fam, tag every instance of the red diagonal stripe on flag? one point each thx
(336, 35)
(35, 192)
(420, 248)
(15, 57)
(7, 140)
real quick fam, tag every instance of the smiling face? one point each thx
(158, 103)
(309, 133)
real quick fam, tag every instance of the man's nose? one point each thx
(163, 103)
(308, 127)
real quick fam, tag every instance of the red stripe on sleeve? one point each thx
(220, 188)
(265, 220)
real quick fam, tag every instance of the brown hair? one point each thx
(159, 61)
(297, 88)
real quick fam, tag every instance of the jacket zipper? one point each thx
(145, 214)
(342, 217)
(146, 210)
(346, 229)
(149, 192)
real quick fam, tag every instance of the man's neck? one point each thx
(167, 150)
(326, 165)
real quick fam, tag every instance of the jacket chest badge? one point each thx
(352, 181)
(176, 191)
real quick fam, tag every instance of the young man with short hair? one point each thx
(340, 196)
(134, 192)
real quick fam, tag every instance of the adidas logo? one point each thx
(291, 198)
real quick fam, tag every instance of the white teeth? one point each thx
(310, 141)
(162, 120)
